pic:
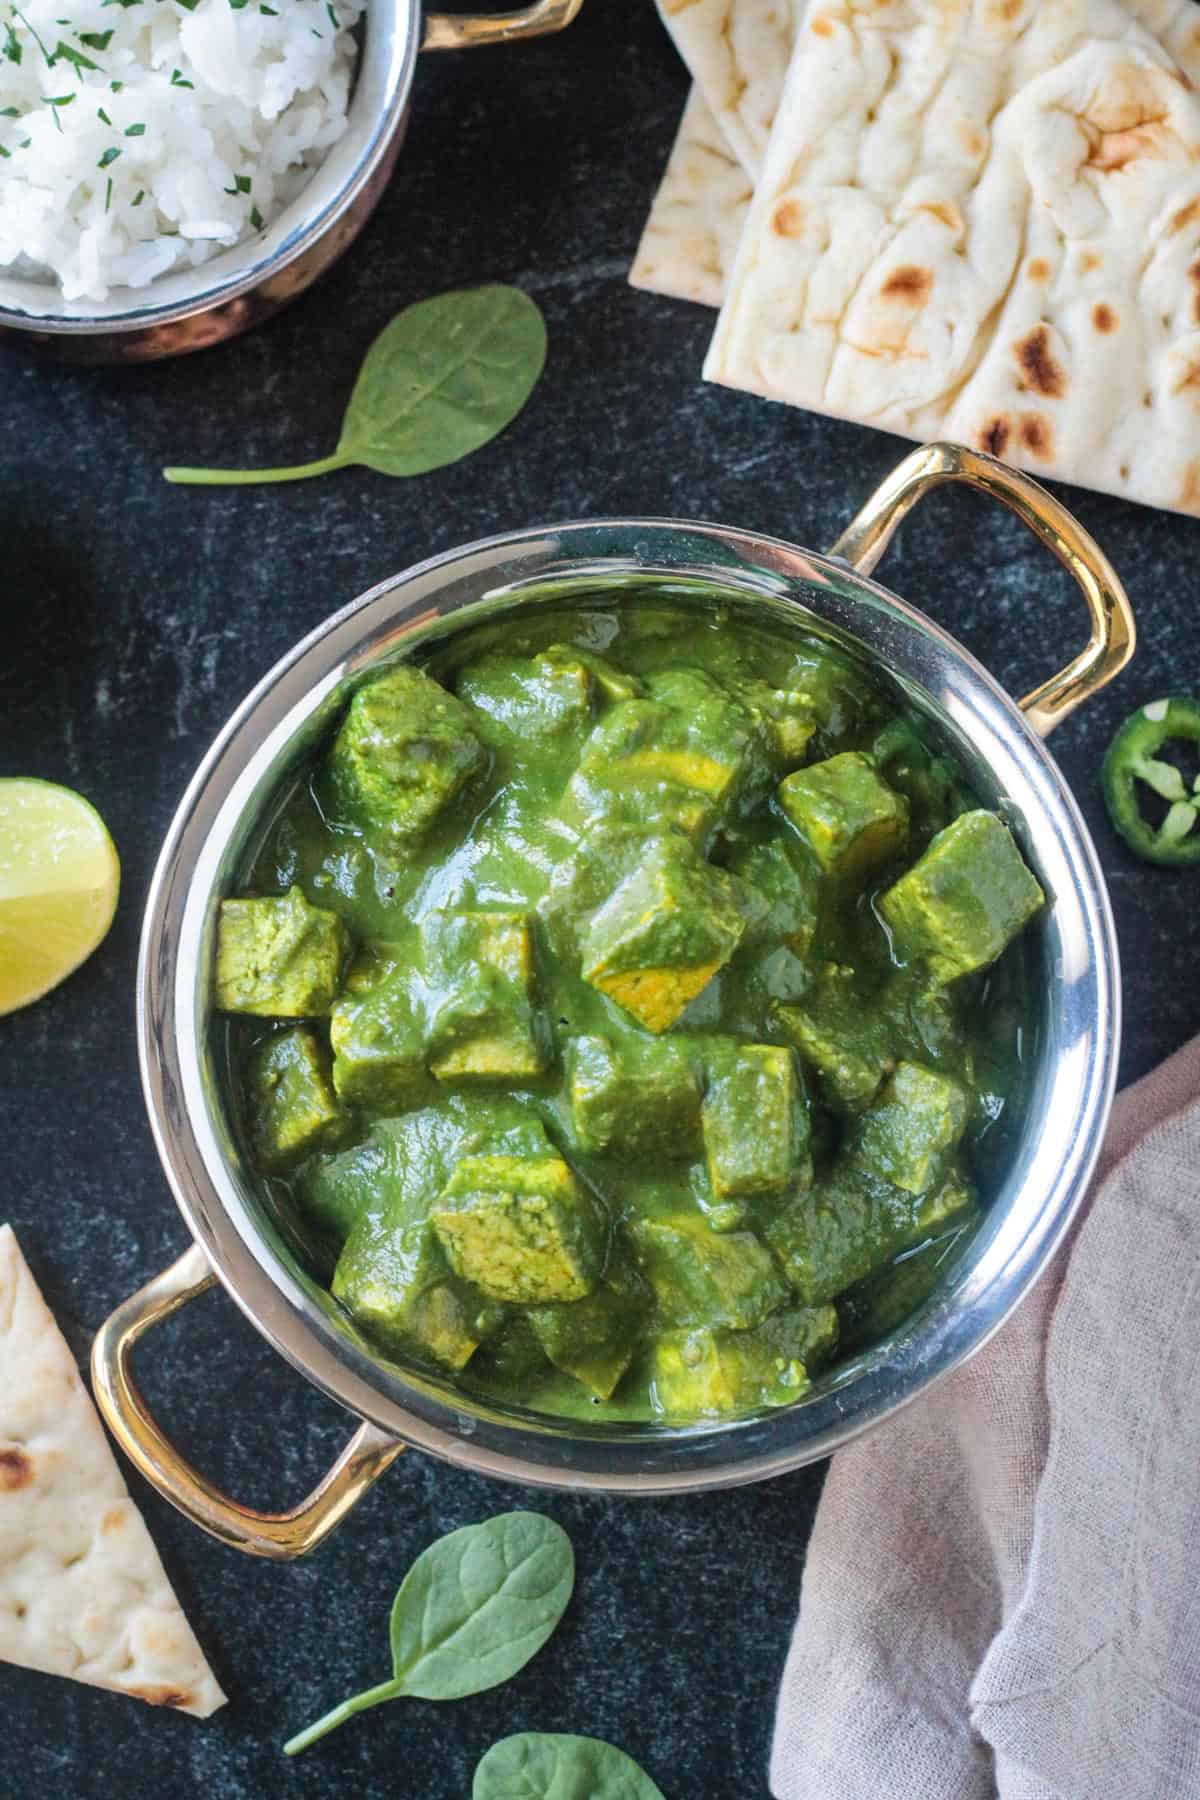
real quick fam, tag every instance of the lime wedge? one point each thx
(59, 878)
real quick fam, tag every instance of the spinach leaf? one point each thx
(443, 379)
(539, 1766)
(472, 1610)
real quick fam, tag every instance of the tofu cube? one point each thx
(709, 1373)
(779, 887)
(292, 1106)
(279, 958)
(851, 820)
(687, 755)
(961, 905)
(395, 1283)
(704, 1277)
(663, 933)
(595, 1339)
(755, 1122)
(405, 749)
(840, 1037)
(379, 1046)
(522, 697)
(916, 1121)
(632, 1095)
(522, 1229)
(479, 967)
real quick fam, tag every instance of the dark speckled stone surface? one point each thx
(135, 618)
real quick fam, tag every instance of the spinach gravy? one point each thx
(625, 1010)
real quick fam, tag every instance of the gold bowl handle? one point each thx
(466, 31)
(1114, 635)
(280, 1536)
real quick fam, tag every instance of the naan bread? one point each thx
(82, 1591)
(982, 221)
(695, 223)
(738, 52)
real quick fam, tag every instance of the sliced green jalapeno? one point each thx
(1132, 758)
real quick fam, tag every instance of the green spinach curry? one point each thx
(631, 1010)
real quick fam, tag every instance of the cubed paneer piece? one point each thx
(949, 1203)
(755, 1121)
(633, 772)
(705, 1277)
(523, 697)
(479, 967)
(394, 1281)
(612, 683)
(584, 879)
(689, 755)
(408, 1159)
(779, 887)
(713, 1372)
(851, 820)
(663, 933)
(334, 1191)
(874, 1307)
(293, 1108)
(915, 1122)
(513, 1359)
(846, 1225)
(840, 1035)
(595, 1339)
(405, 749)
(965, 900)
(522, 1229)
(379, 1046)
(807, 1334)
(789, 718)
(279, 958)
(632, 1094)
(852, 1223)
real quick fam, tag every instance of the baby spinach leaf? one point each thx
(472, 1610)
(443, 379)
(477, 1605)
(537, 1765)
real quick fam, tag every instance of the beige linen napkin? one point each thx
(1002, 1592)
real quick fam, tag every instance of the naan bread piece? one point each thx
(979, 221)
(82, 1591)
(691, 236)
(738, 53)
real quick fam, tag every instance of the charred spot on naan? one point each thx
(16, 1470)
(162, 1696)
(1104, 318)
(1037, 365)
(788, 219)
(909, 284)
(1037, 435)
(995, 435)
(1038, 269)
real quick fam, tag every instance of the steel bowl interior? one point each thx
(390, 41)
(1073, 1042)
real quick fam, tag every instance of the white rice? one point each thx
(200, 122)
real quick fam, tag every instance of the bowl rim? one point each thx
(420, 604)
(336, 184)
